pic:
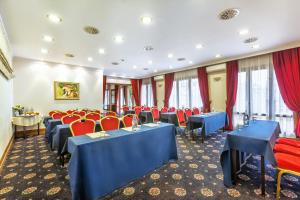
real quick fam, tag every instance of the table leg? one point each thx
(24, 132)
(202, 135)
(38, 128)
(15, 131)
(233, 158)
(263, 181)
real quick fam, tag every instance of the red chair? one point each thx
(147, 108)
(181, 118)
(285, 148)
(93, 116)
(127, 120)
(172, 109)
(142, 107)
(286, 164)
(82, 127)
(68, 119)
(164, 110)
(125, 108)
(109, 123)
(58, 115)
(289, 141)
(137, 110)
(188, 113)
(155, 114)
(52, 112)
(70, 111)
(97, 111)
(81, 113)
(111, 113)
(196, 111)
(85, 110)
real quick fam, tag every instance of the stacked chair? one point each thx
(287, 155)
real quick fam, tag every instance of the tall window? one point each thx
(183, 91)
(129, 96)
(173, 97)
(195, 94)
(121, 97)
(146, 95)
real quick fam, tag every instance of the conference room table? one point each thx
(208, 122)
(129, 112)
(98, 166)
(169, 117)
(257, 138)
(145, 117)
(46, 119)
(51, 124)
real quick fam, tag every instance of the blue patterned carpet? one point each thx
(32, 171)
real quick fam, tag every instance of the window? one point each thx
(183, 91)
(129, 96)
(121, 97)
(173, 97)
(195, 94)
(146, 95)
(241, 99)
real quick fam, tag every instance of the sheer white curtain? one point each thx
(146, 95)
(183, 92)
(173, 96)
(195, 94)
(241, 98)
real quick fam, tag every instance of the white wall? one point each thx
(217, 90)
(34, 85)
(6, 92)
(160, 93)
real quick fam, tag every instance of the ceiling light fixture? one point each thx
(134, 66)
(190, 62)
(90, 59)
(218, 55)
(118, 39)
(101, 51)
(150, 62)
(155, 70)
(146, 20)
(199, 46)
(170, 67)
(44, 51)
(244, 32)
(48, 38)
(229, 13)
(170, 55)
(54, 18)
(255, 46)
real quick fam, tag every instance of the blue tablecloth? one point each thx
(209, 122)
(52, 123)
(99, 166)
(145, 117)
(45, 120)
(169, 117)
(257, 138)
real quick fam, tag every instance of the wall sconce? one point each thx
(217, 79)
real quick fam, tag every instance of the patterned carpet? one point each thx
(32, 171)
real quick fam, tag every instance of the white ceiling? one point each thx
(178, 25)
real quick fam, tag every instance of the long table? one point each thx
(257, 138)
(209, 122)
(169, 117)
(99, 166)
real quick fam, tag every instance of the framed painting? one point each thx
(66, 90)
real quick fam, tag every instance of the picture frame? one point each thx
(66, 90)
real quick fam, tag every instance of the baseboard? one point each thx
(6, 152)
(30, 132)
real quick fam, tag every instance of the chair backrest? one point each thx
(147, 108)
(82, 127)
(155, 114)
(137, 110)
(196, 111)
(93, 116)
(109, 123)
(81, 113)
(111, 113)
(97, 111)
(68, 119)
(70, 111)
(164, 110)
(52, 112)
(180, 116)
(142, 107)
(172, 109)
(125, 108)
(58, 115)
(188, 112)
(127, 120)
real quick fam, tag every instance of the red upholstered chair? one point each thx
(58, 115)
(125, 108)
(68, 119)
(285, 148)
(93, 116)
(289, 141)
(81, 113)
(181, 118)
(155, 114)
(82, 127)
(52, 112)
(286, 164)
(111, 113)
(137, 110)
(154, 106)
(70, 111)
(85, 110)
(109, 123)
(147, 108)
(172, 109)
(164, 110)
(196, 111)
(142, 107)
(188, 113)
(127, 120)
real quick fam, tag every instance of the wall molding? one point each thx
(6, 151)
(5, 67)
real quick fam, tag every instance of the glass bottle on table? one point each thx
(134, 122)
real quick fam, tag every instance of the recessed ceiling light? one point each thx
(146, 20)
(218, 55)
(134, 66)
(170, 67)
(91, 30)
(69, 55)
(190, 62)
(244, 32)
(118, 39)
(148, 48)
(255, 46)
(150, 62)
(180, 59)
(155, 70)
(250, 40)
(54, 18)
(101, 51)
(199, 46)
(170, 55)
(44, 51)
(48, 38)
(229, 13)
(90, 59)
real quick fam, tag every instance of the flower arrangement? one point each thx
(18, 109)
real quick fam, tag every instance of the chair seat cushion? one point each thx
(288, 141)
(284, 148)
(287, 161)
(182, 124)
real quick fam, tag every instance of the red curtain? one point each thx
(203, 86)
(117, 97)
(287, 69)
(104, 87)
(153, 84)
(135, 91)
(232, 71)
(125, 95)
(169, 78)
(140, 90)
